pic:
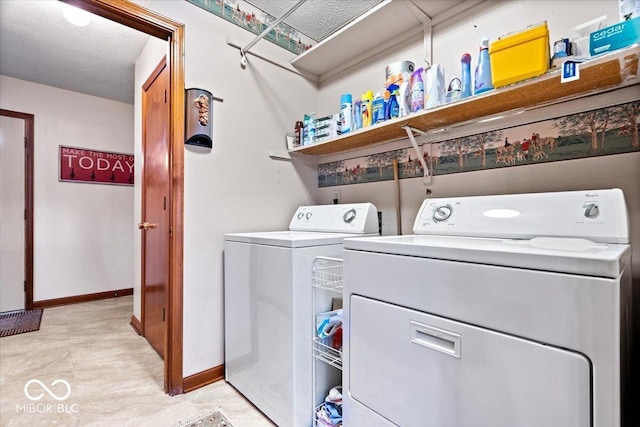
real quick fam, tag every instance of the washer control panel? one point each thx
(599, 215)
(591, 210)
(357, 218)
(442, 213)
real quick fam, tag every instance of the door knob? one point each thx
(145, 225)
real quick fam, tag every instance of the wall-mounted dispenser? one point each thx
(198, 116)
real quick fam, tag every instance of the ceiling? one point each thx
(316, 18)
(37, 44)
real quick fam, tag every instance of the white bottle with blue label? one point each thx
(377, 109)
(346, 113)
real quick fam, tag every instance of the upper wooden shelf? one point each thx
(611, 71)
(371, 33)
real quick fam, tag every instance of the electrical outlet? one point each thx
(336, 197)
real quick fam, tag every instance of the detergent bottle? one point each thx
(466, 75)
(367, 99)
(482, 80)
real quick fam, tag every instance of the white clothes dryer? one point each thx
(499, 311)
(269, 322)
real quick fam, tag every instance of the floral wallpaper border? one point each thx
(256, 21)
(605, 131)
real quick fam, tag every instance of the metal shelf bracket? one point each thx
(245, 50)
(427, 31)
(427, 177)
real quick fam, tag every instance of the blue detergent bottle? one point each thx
(392, 108)
(482, 80)
(466, 75)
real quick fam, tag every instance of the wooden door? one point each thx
(155, 206)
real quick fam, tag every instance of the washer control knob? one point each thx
(308, 215)
(591, 211)
(300, 215)
(442, 213)
(349, 215)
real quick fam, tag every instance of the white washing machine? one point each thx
(269, 321)
(499, 311)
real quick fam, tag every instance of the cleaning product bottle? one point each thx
(357, 114)
(377, 108)
(417, 91)
(298, 133)
(308, 130)
(466, 75)
(392, 109)
(367, 99)
(434, 88)
(346, 113)
(482, 77)
(387, 98)
(453, 90)
(404, 98)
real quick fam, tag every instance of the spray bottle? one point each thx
(466, 75)
(392, 108)
(483, 69)
(417, 91)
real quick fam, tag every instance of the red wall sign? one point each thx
(103, 167)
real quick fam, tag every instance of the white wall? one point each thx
(236, 186)
(152, 53)
(450, 40)
(82, 232)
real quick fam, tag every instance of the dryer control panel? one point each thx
(599, 215)
(356, 218)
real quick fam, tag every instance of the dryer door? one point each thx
(415, 369)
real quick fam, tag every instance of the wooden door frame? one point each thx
(147, 21)
(28, 199)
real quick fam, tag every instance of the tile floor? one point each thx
(115, 377)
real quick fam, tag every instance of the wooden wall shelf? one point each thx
(362, 38)
(605, 73)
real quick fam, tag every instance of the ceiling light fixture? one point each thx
(76, 16)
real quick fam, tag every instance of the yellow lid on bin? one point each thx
(520, 55)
